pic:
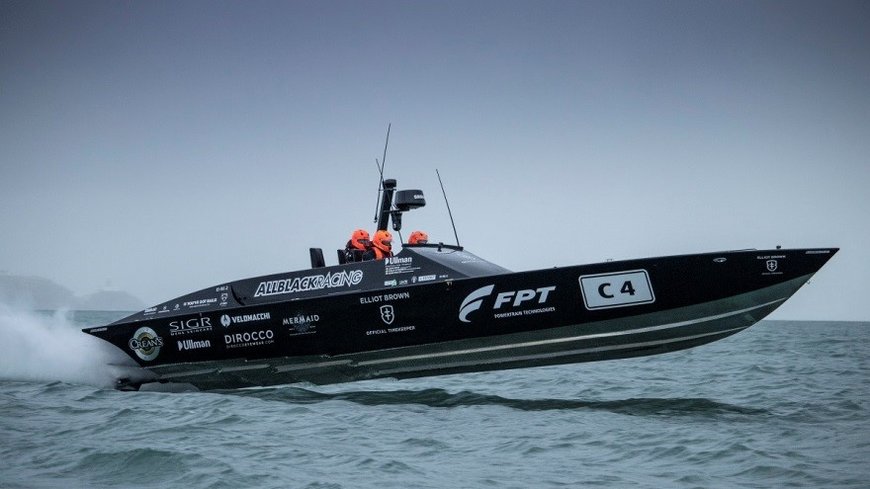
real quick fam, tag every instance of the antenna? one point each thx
(448, 208)
(381, 165)
(380, 189)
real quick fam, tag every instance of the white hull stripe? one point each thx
(567, 339)
(306, 366)
(541, 356)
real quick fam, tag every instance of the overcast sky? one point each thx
(164, 147)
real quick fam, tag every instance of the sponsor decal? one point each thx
(165, 309)
(771, 264)
(344, 278)
(227, 320)
(511, 303)
(398, 329)
(620, 289)
(301, 323)
(149, 311)
(224, 291)
(192, 325)
(426, 278)
(721, 259)
(391, 283)
(395, 265)
(385, 298)
(249, 338)
(473, 301)
(395, 260)
(388, 314)
(98, 330)
(146, 343)
(199, 303)
(300, 319)
(193, 344)
(467, 257)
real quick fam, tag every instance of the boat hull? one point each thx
(513, 320)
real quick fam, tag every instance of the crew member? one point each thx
(357, 246)
(382, 245)
(418, 238)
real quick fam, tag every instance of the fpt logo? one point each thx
(508, 303)
(473, 302)
(145, 343)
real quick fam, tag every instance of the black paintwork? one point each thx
(417, 298)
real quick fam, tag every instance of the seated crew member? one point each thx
(418, 237)
(357, 246)
(382, 245)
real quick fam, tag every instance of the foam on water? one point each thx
(50, 347)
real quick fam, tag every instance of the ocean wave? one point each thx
(440, 398)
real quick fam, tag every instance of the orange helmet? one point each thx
(360, 239)
(418, 237)
(383, 240)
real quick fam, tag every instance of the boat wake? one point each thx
(48, 346)
(440, 398)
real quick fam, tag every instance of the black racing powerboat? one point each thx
(437, 309)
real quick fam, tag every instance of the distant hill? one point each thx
(42, 293)
(35, 292)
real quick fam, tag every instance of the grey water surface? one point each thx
(783, 404)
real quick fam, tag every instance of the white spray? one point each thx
(37, 347)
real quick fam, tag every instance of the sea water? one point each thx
(783, 404)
